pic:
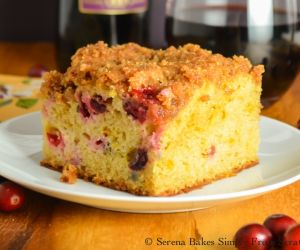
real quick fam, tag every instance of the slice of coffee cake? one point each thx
(151, 122)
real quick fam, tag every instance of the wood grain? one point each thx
(51, 224)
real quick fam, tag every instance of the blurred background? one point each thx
(28, 31)
(28, 21)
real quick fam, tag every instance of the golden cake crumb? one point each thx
(69, 174)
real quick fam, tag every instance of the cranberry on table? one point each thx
(11, 196)
(253, 237)
(278, 224)
(37, 70)
(291, 240)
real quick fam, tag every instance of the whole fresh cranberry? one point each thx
(291, 238)
(11, 196)
(278, 224)
(253, 237)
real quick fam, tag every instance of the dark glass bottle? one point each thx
(87, 21)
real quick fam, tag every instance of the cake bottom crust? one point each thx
(122, 186)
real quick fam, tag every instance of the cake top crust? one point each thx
(138, 67)
(167, 76)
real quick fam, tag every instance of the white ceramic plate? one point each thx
(20, 154)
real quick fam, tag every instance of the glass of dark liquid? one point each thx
(265, 31)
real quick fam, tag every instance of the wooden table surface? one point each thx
(49, 223)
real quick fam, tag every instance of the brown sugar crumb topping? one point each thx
(163, 80)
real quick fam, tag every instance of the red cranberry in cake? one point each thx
(146, 94)
(76, 160)
(139, 159)
(46, 108)
(154, 139)
(99, 144)
(212, 151)
(55, 138)
(82, 109)
(137, 110)
(98, 105)
(92, 105)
